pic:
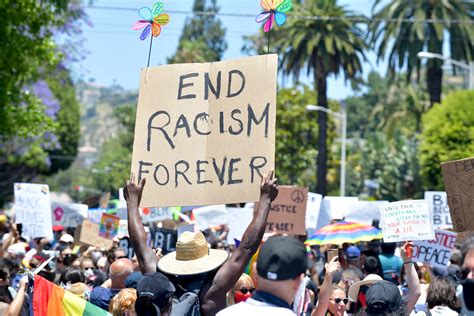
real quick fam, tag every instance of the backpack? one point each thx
(186, 305)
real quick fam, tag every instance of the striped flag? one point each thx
(50, 299)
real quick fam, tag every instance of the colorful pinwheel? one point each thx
(274, 11)
(152, 20)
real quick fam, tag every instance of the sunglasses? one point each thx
(245, 291)
(338, 300)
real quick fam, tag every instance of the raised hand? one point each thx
(332, 266)
(269, 187)
(406, 251)
(133, 192)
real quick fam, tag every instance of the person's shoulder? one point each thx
(100, 291)
(252, 307)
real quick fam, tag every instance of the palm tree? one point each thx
(323, 46)
(407, 27)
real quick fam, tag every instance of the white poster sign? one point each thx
(239, 220)
(313, 206)
(33, 209)
(68, 214)
(438, 202)
(407, 220)
(365, 212)
(339, 206)
(156, 214)
(210, 216)
(436, 252)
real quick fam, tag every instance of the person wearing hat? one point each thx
(209, 268)
(154, 295)
(383, 298)
(281, 265)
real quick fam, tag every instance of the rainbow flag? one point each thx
(344, 232)
(50, 299)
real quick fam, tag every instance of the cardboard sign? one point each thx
(156, 214)
(313, 206)
(438, 202)
(239, 220)
(89, 235)
(288, 211)
(109, 225)
(205, 133)
(406, 220)
(68, 214)
(459, 184)
(210, 216)
(436, 252)
(33, 210)
(165, 239)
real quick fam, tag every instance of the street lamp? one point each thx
(469, 67)
(342, 115)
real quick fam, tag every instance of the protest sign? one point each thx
(459, 184)
(339, 205)
(313, 206)
(109, 226)
(364, 212)
(156, 214)
(436, 252)
(205, 133)
(438, 202)
(33, 209)
(165, 239)
(209, 216)
(406, 220)
(68, 214)
(288, 211)
(239, 220)
(89, 235)
(126, 245)
(122, 228)
(95, 214)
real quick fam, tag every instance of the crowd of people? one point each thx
(266, 274)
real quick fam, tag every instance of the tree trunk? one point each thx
(322, 159)
(434, 77)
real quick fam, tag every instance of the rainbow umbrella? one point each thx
(344, 232)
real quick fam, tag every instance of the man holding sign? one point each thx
(217, 283)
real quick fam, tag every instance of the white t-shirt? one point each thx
(253, 307)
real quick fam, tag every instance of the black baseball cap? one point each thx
(281, 258)
(154, 291)
(383, 297)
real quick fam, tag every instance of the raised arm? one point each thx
(412, 277)
(323, 300)
(213, 296)
(145, 255)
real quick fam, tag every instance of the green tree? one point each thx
(203, 37)
(404, 28)
(448, 134)
(324, 47)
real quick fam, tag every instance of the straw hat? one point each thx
(368, 280)
(192, 256)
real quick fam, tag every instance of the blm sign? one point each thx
(205, 133)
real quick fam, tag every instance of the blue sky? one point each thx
(116, 54)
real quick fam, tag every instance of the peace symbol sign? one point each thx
(297, 196)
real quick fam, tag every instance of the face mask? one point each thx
(468, 293)
(239, 297)
(89, 273)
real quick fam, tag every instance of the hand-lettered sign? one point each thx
(205, 133)
(438, 202)
(436, 252)
(89, 235)
(288, 211)
(459, 184)
(33, 209)
(165, 239)
(406, 220)
(312, 209)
